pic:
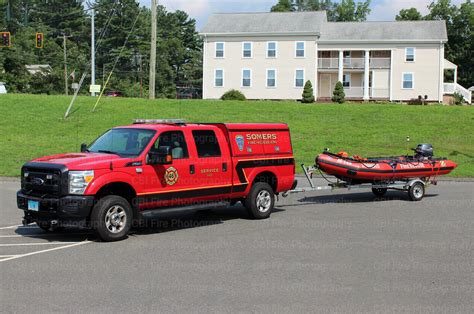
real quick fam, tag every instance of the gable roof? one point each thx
(315, 23)
(385, 31)
(267, 23)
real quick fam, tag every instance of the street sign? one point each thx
(94, 88)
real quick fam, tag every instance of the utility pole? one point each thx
(92, 49)
(65, 63)
(153, 50)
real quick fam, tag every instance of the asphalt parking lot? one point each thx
(343, 251)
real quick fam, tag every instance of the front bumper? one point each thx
(62, 209)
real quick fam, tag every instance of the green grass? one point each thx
(32, 126)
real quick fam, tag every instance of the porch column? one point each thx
(341, 66)
(455, 75)
(316, 83)
(366, 75)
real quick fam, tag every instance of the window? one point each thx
(346, 80)
(347, 58)
(175, 140)
(219, 78)
(299, 78)
(407, 81)
(122, 141)
(246, 78)
(271, 49)
(271, 78)
(410, 54)
(299, 51)
(219, 50)
(247, 50)
(207, 144)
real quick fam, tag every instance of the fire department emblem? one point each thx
(171, 176)
(239, 139)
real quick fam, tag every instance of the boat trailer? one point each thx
(414, 186)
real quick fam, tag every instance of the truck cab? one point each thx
(132, 172)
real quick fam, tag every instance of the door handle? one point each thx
(224, 167)
(191, 169)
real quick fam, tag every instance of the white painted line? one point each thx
(42, 235)
(3, 256)
(44, 251)
(39, 243)
(10, 227)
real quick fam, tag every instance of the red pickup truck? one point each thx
(131, 172)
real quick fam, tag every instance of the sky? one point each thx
(382, 10)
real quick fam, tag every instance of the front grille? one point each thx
(43, 181)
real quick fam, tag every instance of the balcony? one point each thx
(353, 63)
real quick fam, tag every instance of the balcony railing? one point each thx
(354, 92)
(353, 63)
(451, 88)
(379, 93)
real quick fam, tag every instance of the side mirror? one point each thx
(162, 157)
(83, 147)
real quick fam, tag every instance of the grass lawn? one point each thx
(32, 126)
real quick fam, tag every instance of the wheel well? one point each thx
(267, 177)
(120, 189)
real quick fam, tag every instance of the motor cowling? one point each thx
(424, 150)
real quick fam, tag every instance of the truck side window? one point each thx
(175, 140)
(207, 144)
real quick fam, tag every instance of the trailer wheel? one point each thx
(260, 201)
(111, 218)
(416, 191)
(379, 192)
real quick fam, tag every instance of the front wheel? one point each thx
(260, 200)
(111, 218)
(416, 191)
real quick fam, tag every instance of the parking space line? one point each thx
(39, 243)
(18, 226)
(41, 235)
(44, 251)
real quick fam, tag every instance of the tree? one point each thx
(282, 6)
(348, 11)
(411, 14)
(338, 95)
(308, 96)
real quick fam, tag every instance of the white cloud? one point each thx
(386, 10)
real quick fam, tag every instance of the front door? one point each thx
(166, 185)
(325, 85)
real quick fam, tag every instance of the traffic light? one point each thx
(5, 42)
(39, 40)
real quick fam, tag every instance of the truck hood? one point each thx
(84, 161)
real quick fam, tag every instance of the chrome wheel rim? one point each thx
(418, 191)
(115, 219)
(264, 201)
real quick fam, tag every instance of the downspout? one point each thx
(204, 50)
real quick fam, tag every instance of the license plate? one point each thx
(33, 205)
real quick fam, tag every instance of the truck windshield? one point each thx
(122, 141)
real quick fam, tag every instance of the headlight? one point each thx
(79, 180)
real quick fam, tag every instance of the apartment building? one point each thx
(272, 55)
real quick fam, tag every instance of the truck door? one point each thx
(166, 185)
(212, 164)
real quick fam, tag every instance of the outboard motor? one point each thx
(423, 151)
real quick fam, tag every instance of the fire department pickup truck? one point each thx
(131, 172)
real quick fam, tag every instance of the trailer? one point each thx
(415, 187)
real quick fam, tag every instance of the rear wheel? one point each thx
(260, 201)
(416, 191)
(379, 192)
(112, 218)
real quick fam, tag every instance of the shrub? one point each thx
(233, 94)
(338, 95)
(308, 96)
(458, 99)
(415, 101)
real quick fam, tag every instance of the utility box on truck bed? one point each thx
(132, 172)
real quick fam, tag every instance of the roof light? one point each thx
(158, 121)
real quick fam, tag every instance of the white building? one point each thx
(272, 55)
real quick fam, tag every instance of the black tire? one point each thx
(260, 201)
(416, 191)
(111, 218)
(379, 192)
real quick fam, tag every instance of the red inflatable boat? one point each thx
(384, 169)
